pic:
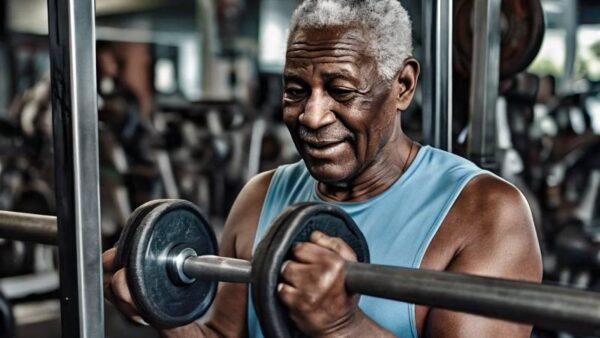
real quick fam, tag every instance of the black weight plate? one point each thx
(294, 225)
(161, 301)
(125, 238)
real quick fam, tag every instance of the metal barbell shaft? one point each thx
(218, 268)
(550, 307)
(546, 306)
(43, 229)
(28, 227)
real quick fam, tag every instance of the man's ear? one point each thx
(406, 82)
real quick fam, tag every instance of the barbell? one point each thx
(169, 251)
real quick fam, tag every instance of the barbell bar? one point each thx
(28, 227)
(549, 307)
(546, 306)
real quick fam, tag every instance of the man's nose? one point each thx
(317, 113)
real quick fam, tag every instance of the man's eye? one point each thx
(294, 93)
(341, 93)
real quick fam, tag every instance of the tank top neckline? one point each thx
(396, 185)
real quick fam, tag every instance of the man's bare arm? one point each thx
(229, 316)
(502, 244)
(229, 312)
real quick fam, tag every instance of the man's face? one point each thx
(339, 111)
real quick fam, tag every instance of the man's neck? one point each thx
(394, 159)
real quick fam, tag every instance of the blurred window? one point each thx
(274, 20)
(550, 60)
(164, 78)
(588, 52)
(552, 57)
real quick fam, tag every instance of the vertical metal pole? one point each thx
(5, 71)
(437, 73)
(485, 78)
(207, 26)
(570, 17)
(75, 118)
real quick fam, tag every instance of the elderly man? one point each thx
(348, 77)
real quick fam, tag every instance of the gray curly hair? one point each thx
(387, 20)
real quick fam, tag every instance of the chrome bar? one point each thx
(223, 269)
(549, 307)
(28, 227)
(485, 79)
(75, 122)
(570, 22)
(437, 73)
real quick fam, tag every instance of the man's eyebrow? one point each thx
(341, 73)
(288, 77)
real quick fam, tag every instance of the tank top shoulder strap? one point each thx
(290, 183)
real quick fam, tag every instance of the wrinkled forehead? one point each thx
(330, 44)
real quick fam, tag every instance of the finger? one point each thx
(108, 257)
(288, 295)
(108, 294)
(334, 244)
(307, 252)
(119, 287)
(128, 311)
(295, 274)
(106, 283)
(121, 296)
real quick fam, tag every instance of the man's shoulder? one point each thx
(489, 191)
(494, 206)
(495, 232)
(243, 217)
(256, 189)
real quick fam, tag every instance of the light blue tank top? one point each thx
(398, 224)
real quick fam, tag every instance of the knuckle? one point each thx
(299, 248)
(341, 245)
(352, 256)
(316, 235)
(337, 246)
(334, 263)
(288, 276)
(325, 283)
(339, 266)
(284, 296)
(315, 276)
(338, 263)
(285, 268)
(332, 272)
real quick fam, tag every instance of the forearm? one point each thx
(361, 326)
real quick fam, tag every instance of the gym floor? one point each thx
(116, 324)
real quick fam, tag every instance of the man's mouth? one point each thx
(322, 144)
(323, 149)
